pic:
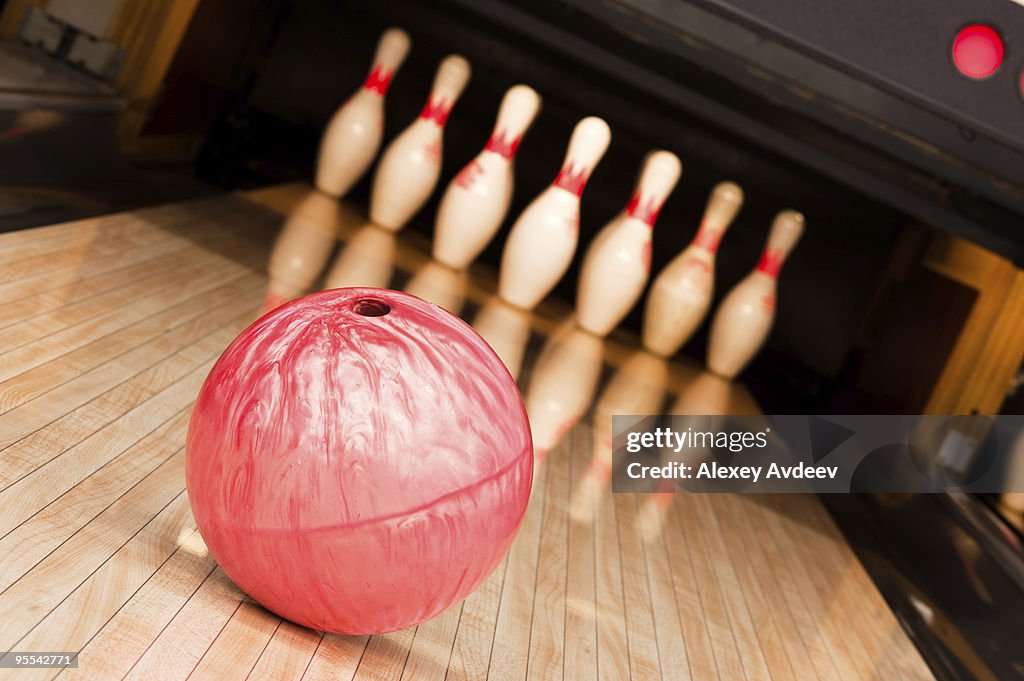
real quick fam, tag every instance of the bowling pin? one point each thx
(543, 240)
(353, 135)
(475, 203)
(745, 317)
(411, 164)
(302, 248)
(366, 259)
(618, 262)
(682, 292)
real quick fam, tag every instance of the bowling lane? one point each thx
(113, 324)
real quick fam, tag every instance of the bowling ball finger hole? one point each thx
(371, 307)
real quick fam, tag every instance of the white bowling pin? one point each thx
(562, 385)
(745, 317)
(476, 201)
(366, 259)
(682, 292)
(411, 164)
(618, 262)
(543, 240)
(302, 248)
(441, 285)
(506, 329)
(353, 135)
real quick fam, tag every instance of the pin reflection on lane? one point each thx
(562, 385)
(637, 387)
(699, 395)
(506, 328)
(302, 248)
(366, 259)
(440, 285)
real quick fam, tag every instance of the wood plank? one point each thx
(769, 610)
(432, 647)
(713, 607)
(48, 324)
(792, 591)
(876, 628)
(19, 355)
(179, 646)
(48, 528)
(288, 654)
(40, 534)
(833, 639)
(580, 605)
(745, 634)
(78, 617)
(42, 282)
(644, 661)
(385, 656)
(510, 651)
(13, 270)
(700, 652)
(27, 243)
(672, 653)
(22, 310)
(134, 275)
(336, 658)
(42, 397)
(29, 599)
(474, 640)
(34, 491)
(547, 634)
(120, 356)
(175, 227)
(239, 645)
(612, 646)
(140, 621)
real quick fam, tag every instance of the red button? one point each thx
(977, 51)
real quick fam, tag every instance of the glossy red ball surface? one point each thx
(358, 460)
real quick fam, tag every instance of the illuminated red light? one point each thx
(977, 51)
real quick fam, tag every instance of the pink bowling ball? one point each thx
(358, 460)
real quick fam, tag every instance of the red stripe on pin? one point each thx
(378, 81)
(707, 238)
(646, 212)
(572, 180)
(437, 111)
(501, 146)
(770, 263)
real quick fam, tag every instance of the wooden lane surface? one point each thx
(111, 324)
